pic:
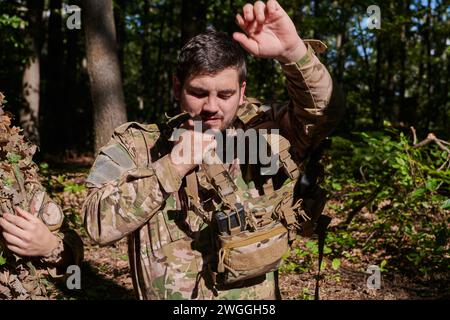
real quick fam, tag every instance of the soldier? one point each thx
(139, 189)
(34, 242)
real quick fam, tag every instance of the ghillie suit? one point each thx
(25, 277)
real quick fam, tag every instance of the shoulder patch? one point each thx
(105, 170)
(129, 148)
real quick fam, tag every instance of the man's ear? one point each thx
(242, 93)
(176, 87)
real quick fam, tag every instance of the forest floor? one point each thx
(106, 273)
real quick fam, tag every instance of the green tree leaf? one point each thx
(446, 204)
(336, 263)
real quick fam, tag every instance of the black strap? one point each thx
(321, 231)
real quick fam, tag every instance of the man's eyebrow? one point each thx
(227, 91)
(197, 89)
(200, 89)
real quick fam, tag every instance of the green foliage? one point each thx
(12, 21)
(405, 191)
(2, 259)
(14, 53)
(67, 184)
(397, 73)
(336, 263)
(13, 158)
(306, 295)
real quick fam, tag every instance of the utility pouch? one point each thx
(250, 254)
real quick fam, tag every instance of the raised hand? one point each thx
(269, 32)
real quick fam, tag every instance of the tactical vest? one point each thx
(251, 236)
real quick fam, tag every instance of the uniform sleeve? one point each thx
(126, 188)
(309, 117)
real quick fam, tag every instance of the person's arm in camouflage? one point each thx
(40, 233)
(307, 119)
(270, 33)
(126, 186)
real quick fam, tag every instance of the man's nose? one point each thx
(211, 105)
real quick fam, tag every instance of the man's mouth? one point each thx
(211, 120)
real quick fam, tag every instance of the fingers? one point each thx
(12, 228)
(240, 22)
(24, 214)
(248, 12)
(12, 240)
(254, 16)
(259, 9)
(253, 13)
(272, 6)
(248, 44)
(17, 221)
(17, 250)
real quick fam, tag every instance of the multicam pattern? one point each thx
(133, 192)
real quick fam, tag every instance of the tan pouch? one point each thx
(250, 254)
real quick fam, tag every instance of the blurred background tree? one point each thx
(398, 73)
(389, 188)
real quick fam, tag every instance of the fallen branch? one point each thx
(432, 138)
(414, 135)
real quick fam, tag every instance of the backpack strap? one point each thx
(194, 200)
(268, 187)
(286, 161)
(221, 180)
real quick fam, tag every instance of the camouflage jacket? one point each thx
(22, 277)
(135, 192)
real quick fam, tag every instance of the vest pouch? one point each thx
(250, 254)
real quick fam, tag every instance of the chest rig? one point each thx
(250, 235)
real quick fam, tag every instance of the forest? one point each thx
(72, 71)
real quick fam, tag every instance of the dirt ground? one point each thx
(106, 276)
(105, 272)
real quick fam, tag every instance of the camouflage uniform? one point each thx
(23, 277)
(135, 192)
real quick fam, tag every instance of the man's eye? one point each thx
(199, 94)
(225, 96)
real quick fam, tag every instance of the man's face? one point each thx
(214, 98)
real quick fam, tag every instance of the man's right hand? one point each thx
(190, 149)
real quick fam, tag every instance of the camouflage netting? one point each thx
(20, 278)
(17, 170)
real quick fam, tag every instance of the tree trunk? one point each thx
(121, 34)
(430, 109)
(104, 69)
(404, 112)
(145, 86)
(31, 79)
(193, 18)
(53, 127)
(75, 109)
(159, 74)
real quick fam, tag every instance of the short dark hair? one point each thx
(208, 53)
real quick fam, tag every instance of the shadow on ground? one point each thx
(95, 286)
